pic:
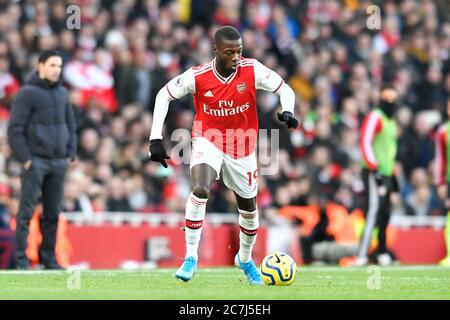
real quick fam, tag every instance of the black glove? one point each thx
(378, 178)
(288, 118)
(381, 184)
(157, 152)
(395, 185)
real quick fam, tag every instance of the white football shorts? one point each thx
(239, 175)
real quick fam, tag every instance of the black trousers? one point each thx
(377, 212)
(45, 178)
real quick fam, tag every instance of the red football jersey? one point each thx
(226, 112)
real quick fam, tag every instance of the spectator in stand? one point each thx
(117, 199)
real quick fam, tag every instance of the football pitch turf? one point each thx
(399, 282)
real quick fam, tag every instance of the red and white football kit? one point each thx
(225, 127)
(440, 159)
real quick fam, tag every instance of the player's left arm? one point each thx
(268, 80)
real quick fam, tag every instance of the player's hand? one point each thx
(395, 185)
(447, 204)
(27, 165)
(157, 152)
(378, 178)
(288, 118)
(382, 188)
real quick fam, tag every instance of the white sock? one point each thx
(195, 213)
(247, 235)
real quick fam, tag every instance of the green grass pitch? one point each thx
(400, 282)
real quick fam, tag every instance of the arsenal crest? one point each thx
(241, 87)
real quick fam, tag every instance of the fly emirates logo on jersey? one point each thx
(226, 108)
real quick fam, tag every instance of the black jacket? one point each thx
(42, 121)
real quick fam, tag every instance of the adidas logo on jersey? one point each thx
(208, 94)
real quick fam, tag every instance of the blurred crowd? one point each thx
(124, 51)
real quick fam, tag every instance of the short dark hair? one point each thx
(226, 33)
(387, 86)
(47, 54)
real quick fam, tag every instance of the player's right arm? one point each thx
(176, 88)
(371, 126)
(440, 156)
(440, 165)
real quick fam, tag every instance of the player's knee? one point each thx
(51, 219)
(248, 215)
(247, 205)
(250, 208)
(26, 212)
(200, 191)
(24, 218)
(249, 220)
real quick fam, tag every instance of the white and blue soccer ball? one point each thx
(278, 269)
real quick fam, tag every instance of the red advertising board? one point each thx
(108, 246)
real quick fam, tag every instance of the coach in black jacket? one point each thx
(42, 135)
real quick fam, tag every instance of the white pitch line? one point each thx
(390, 268)
(307, 269)
(32, 272)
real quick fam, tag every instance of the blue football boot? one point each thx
(187, 269)
(250, 270)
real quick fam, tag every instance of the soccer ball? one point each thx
(278, 269)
